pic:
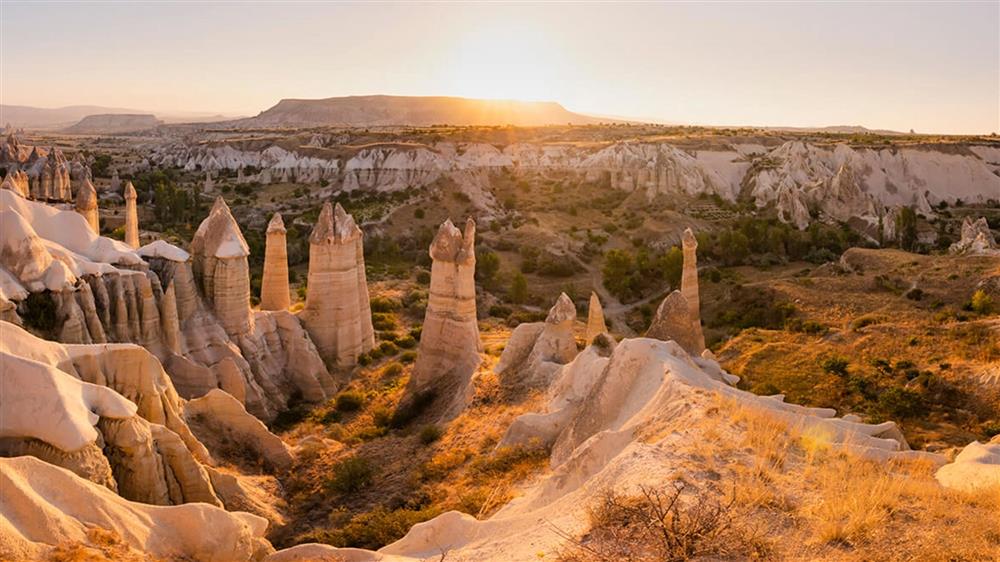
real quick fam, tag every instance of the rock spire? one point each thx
(595, 319)
(689, 285)
(86, 205)
(274, 293)
(337, 313)
(131, 217)
(219, 259)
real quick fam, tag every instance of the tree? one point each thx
(519, 289)
(487, 266)
(906, 228)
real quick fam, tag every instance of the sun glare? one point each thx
(503, 61)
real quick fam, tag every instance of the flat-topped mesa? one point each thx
(274, 293)
(337, 312)
(86, 205)
(689, 285)
(449, 342)
(219, 254)
(131, 217)
(595, 319)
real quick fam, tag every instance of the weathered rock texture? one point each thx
(673, 321)
(86, 205)
(595, 319)
(449, 342)
(537, 350)
(689, 284)
(977, 240)
(274, 294)
(218, 416)
(337, 312)
(219, 253)
(131, 217)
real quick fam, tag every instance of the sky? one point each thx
(931, 67)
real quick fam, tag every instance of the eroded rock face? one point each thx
(86, 205)
(537, 350)
(337, 312)
(977, 239)
(673, 321)
(689, 284)
(131, 216)
(449, 342)
(217, 415)
(274, 294)
(595, 319)
(219, 259)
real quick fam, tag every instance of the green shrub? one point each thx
(351, 475)
(388, 349)
(393, 369)
(383, 321)
(350, 401)
(418, 213)
(835, 366)
(290, 418)
(981, 303)
(384, 304)
(379, 527)
(430, 433)
(40, 312)
(382, 417)
(408, 356)
(423, 277)
(406, 342)
(899, 402)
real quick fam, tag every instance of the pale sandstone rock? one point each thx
(10, 182)
(131, 217)
(595, 319)
(537, 350)
(274, 292)
(689, 285)
(86, 205)
(976, 468)
(673, 321)
(44, 506)
(116, 182)
(977, 239)
(337, 312)
(449, 342)
(217, 415)
(219, 253)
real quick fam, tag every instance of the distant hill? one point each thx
(369, 111)
(52, 118)
(111, 123)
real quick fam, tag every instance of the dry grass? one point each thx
(102, 545)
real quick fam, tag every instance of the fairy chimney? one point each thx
(86, 205)
(274, 293)
(131, 217)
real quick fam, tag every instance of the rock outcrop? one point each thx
(131, 217)
(218, 416)
(337, 312)
(86, 205)
(673, 321)
(977, 239)
(274, 293)
(449, 348)
(976, 468)
(689, 285)
(536, 350)
(219, 261)
(595, 319)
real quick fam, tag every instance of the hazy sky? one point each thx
(930, 67)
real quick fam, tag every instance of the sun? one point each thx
(504, 61)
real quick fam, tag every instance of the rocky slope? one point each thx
(113, 124)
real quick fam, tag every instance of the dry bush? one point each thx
(678, 522)
(102, 545)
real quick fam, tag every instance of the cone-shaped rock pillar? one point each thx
(449, 342)
(131, 217)
(337, 313)
(86, 205)
(689, 285)
(219, 259)
(595, 319)
(274, 293)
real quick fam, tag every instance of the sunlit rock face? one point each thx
(86, 205)
(219, 253)
(449, 342)
(337, 312)
(274, 294)
(689, 286)
(595, 319)
(131, 217)
(977, 239)
(537, 350)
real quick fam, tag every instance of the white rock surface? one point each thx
(274, 292)
(537, 350)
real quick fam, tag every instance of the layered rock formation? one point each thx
(219, 261)
(595, 319)
(337, 312)
(977, 239)
(86, 205)
(274, 293)
(131, 217)
(536, 350)
(673, 321)
(689, 284)
(449, 348)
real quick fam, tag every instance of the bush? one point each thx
(899, 402)
(430, 433)
(859, 323)
(981, 303)
(39, 312)
(383, 321)
(423, 276)
(384, 304)
(418, 213)
(388, 349)
(350, 401)
(835, 366)
(351, 475)
(392, 370)
(379, 527)
(406, 342)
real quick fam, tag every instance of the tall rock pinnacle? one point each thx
(219, 260)
(337, 313)
(689, 284)
(449, 343)
(274, 282)
(595, 319)
(131, 217)
(86, 205)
